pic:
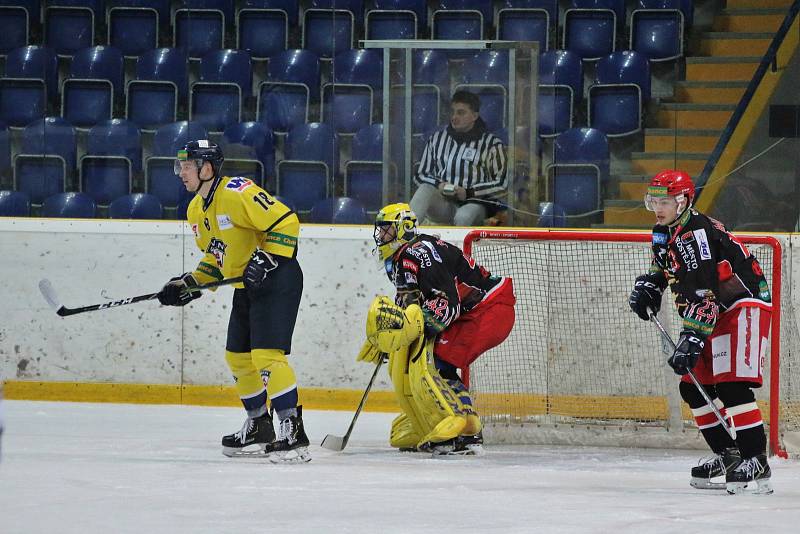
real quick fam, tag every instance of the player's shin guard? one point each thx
(279, 379)
(248, 383)
(713, 432)
(753, 474)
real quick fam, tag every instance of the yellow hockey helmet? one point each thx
(395, 225)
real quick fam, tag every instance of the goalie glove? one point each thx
(177, 292)
(646, 294)
(260, 264)
(685, 357)
(369, 353)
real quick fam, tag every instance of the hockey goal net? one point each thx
(580, 368)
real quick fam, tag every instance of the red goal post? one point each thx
(579, 367)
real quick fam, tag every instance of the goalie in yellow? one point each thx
(244, 231)
(447, 312)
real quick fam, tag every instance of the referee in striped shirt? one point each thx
(463, 168)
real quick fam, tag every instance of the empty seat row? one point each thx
(590, 27)
(337, 210)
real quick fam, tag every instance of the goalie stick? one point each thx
(728, 428)
(336, 443)
(49, 294)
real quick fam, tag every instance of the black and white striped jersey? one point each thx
(475, 161)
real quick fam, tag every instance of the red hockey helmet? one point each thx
(670, 183)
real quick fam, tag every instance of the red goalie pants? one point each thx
(736, 349)
(485, 326)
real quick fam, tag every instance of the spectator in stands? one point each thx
(463, 168)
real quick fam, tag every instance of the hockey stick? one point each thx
(728, 428)
(336, 443)
(49, 294)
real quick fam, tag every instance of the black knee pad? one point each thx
(691, 395)
(735, 393)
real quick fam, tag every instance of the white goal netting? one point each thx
(580, 367)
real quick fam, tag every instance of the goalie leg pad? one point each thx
(403, 435)
(398, 371)
(248, 383)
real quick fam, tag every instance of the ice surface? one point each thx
(111, 468)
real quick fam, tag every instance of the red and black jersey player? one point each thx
(467, 310)
(725, 303)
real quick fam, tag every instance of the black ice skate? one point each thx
(292, 443)
(460, 446)
(718, 466)
(751, 476)
(252, 439)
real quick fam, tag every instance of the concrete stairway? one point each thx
(682, 133)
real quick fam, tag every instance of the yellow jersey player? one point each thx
(244, 231)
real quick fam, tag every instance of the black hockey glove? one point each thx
(260, 264)
(685, 357)
(647, 291)
(177, 292)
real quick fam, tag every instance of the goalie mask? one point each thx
(669, 186)
(395, 225)
(200, 151)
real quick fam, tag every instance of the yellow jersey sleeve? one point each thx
(278, 226)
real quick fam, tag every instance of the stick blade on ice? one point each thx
(333, 443)
(49, 293)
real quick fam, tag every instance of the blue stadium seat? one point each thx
(183, 207)
(114, 152)
(348, 102)
(162, 7)
(135, 206)
(226, 7)
(160, 179)
(484, 7)
(486, 74)
(356, 7)
(457, 25)
(363, 178)
(14, 204)
(551, 6)
(35, 62)
(258, 138)
(617, 98)
(338, 210)
(530, 24)
(52, 136)
(95, 78)
(262, 32)
(311, 162)
(551, 215)
(391, 24)
(117, 137)
(133, 30)
(39, 176)
(418, 7)
(290, 7)
(292, 84)
(580, 165)
(5, 149)
(590, 27)
(657, 28)
(67, 29)
(217, 99)
(69, 206)
(198, 31)
(14, 28)
(327, 31)
(161, 79)
(560, 90)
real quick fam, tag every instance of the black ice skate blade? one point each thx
(299, 455)
(245, 452)
(706, 484)
(757, 487)
(471, 451)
